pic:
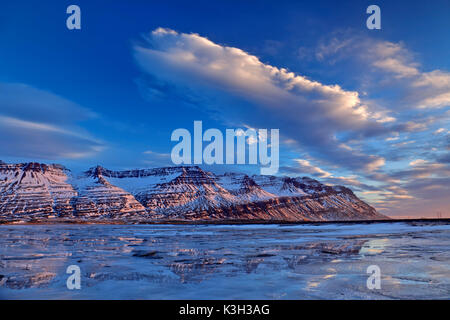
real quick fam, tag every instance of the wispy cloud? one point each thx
(38, 124)
(421, 89)
(156, 158)
(305, 166)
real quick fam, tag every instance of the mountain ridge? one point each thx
(40, 191)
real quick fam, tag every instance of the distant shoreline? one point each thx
(214, 222)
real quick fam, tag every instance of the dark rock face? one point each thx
(188, 193)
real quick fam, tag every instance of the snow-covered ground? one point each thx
(226, 262)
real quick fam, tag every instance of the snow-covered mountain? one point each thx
(33, 190)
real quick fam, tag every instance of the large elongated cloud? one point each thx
(37, 124)
(243, 90)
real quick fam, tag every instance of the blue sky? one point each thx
(365, 108)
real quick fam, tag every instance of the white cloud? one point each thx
(306, 167)
(394, 58)
(240, 88)
(417, 162)
(440, 130)
(375, 164)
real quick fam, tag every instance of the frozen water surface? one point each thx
(226, 261)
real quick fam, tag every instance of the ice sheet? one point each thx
(226, 262)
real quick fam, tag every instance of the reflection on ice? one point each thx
(374, 246)
(225, 262)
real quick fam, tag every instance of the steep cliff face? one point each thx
(98, 198)
(33, 189)
(188, 193)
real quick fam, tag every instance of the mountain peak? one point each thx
(32, 167)
(95, 172)
(180, 192)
